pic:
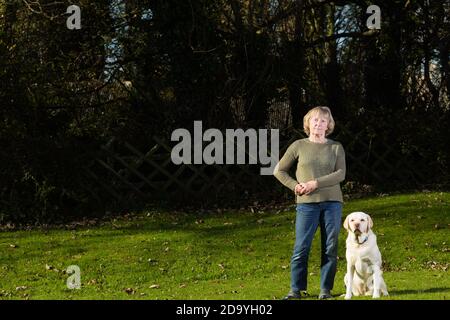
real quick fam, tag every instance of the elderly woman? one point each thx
(320, 169)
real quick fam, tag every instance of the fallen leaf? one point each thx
(130, 290)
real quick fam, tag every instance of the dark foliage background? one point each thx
(142, 68)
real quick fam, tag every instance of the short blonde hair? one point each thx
(323, 111)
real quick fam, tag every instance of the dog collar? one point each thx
(360, 243)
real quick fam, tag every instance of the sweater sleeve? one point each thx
(281, 171)
(339, 172)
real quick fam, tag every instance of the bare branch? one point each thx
(369, 33)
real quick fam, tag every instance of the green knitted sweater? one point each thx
(324, 162)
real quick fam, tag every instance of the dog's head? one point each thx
(358, 223)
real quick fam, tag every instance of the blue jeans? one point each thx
(328, 215)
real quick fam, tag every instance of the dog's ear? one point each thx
(346, 226)
(369, 223)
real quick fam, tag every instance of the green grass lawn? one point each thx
(222, 255)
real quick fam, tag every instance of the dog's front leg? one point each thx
(376, 281)
(349, 280)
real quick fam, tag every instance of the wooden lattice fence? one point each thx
(128, 175)
(122, 174)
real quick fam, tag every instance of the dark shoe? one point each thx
(325, 294)
(292, 295)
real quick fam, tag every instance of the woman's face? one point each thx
(318, 124)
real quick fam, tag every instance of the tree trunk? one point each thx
(295, 70)
(333, 88)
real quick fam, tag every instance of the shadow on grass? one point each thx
(200, 224)
(409, 291)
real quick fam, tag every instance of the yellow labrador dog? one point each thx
(364, 275)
